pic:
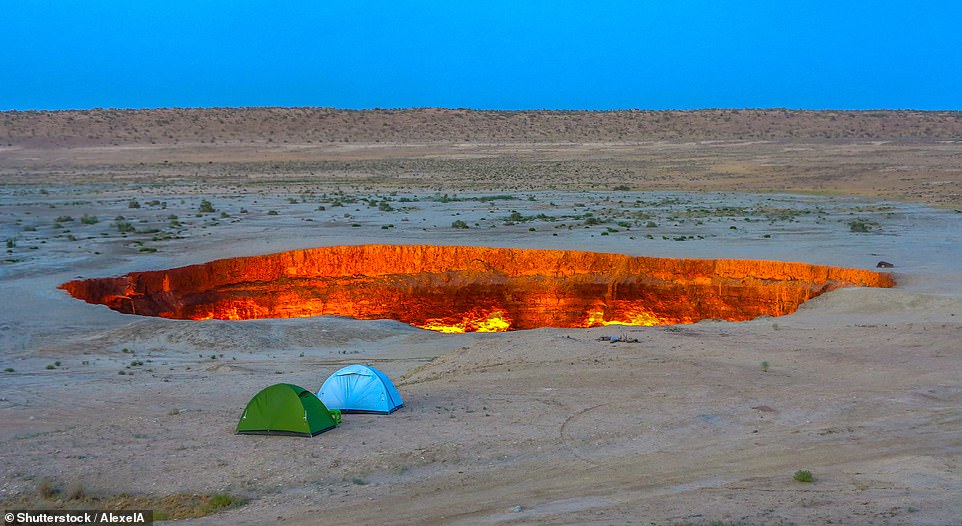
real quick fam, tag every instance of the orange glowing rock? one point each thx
(473, 289)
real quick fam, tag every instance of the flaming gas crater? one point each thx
(472, 289)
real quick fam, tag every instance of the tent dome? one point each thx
(285, 409)
(360, 389)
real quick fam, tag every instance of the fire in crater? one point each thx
(472, 289)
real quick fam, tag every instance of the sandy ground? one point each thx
(548, 426)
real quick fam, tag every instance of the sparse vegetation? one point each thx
(455, 199)
(75, 491)
(75, 495)
(221, 501)
(803, 475)
(861, 225)
(45, 489)
(206, 207)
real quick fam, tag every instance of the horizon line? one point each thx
(485, 110)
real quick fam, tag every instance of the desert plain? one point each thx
(685, 424)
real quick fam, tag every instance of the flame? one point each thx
(493, 321)
(472, 289)
(630, 314)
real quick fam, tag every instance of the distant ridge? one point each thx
(104, 127)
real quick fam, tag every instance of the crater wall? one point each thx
(464, 289)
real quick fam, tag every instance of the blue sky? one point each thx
(670, 54)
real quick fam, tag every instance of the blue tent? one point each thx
(360, 389)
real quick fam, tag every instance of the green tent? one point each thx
(285, 409)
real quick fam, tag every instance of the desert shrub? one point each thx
(206, 207)
(860, 225)
(75, 491)
(222, 501)
(515, 217)
(803, 475)
(89, 219)
(46, 490)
